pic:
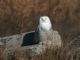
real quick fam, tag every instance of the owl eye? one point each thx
(45, 18)
(42, 19)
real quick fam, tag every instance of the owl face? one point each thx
(45, 23)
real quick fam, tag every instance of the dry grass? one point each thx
(14, 15)
(71, 51)
(65, 53)
(18, 16)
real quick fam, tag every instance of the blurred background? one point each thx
(17, 16)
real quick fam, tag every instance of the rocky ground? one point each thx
(14, 42)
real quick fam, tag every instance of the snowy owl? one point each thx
(45, 29)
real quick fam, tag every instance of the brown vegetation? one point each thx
(18, 16)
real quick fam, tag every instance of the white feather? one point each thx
(45, 23)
